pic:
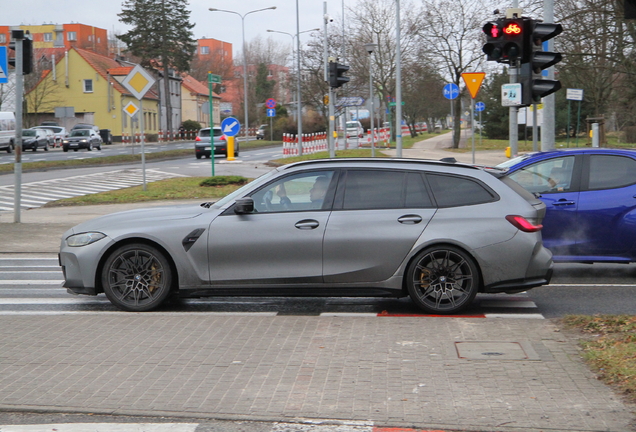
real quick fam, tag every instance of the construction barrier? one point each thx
(311, 143)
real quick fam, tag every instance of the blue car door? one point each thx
(607, 208)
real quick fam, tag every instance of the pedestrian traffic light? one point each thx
(27, 51)
(336, 79)
(534, 86)
(505, 40)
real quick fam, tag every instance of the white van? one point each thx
(354, 129)
(7, 131)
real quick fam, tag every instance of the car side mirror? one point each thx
(244, 206)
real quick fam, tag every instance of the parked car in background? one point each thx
(59, 133)
(260, 132)
(7, 131)
(32, 139)
(85, 126)
(203, 143)
(49, 123)
(82, 139)
(354, 129)
(590, 196)
(437, 232)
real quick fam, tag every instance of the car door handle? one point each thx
(562, 202)
(307, 224)
(410, 219)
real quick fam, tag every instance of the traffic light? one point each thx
(534, 87)
(336, 79)
(505, 40)
(27, 52)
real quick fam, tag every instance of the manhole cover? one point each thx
(494, 351)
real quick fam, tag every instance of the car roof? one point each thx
(379, 162)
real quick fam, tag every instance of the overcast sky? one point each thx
(217, 25)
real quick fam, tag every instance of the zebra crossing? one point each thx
(31, 284)
(36, 194)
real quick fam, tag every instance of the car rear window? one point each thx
(610, 172)
(28, 133)
(205, 133)
(455, 191)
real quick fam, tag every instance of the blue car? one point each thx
(590, 195)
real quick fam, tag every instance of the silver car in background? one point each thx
(437, 232)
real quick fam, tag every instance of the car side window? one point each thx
(610, 172)
(416, 194)
(300, 192)
(455, 191)
(548, 176)
(373, 189)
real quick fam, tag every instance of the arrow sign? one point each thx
(230, 126)
(473, 82)
(451, 91)
(480, 106)
(4, 66)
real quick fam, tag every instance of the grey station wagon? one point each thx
(437, 232)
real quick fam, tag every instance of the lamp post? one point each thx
(370, 47)
(247, 123)
(298, 106)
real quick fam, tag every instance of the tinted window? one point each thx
(552, 175)
(416, 193)
(608, 172)
(373, 189)
(306, 191)
(205, 133)
(451, 191)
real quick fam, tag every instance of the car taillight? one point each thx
(222, 137)
(523, 224)
(197, 139)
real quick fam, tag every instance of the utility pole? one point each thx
(548, 126)
(18, 36)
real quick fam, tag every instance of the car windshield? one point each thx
(352, 125)
(514, 161)
(28, 133)
(79, 133)
(205, 133)
(52, 129)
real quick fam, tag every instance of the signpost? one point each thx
(138, 82)
(230, 128)
(451, 91)
(473, 82)
(271, 113)
(480, 106)
(4, 66)
(212, 79)
(574, 95)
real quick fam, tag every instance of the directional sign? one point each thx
(230, 126)
(574, 94)
(271, 112)
(473, 82)
(451, 91)
(350, 101)
(138, 82)
(214, 79)
(270, 103)
(4, 66)
(480, 106)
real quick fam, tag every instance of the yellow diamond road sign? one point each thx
(131, 109)
(138, 82)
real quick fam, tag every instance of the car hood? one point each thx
(142, 217)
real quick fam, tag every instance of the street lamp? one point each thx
(370, 47)
(247, 123)
(298, 107)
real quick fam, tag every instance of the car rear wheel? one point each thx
(136, 277)
(443, 280)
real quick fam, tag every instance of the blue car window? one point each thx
(610, 172)
(552, 175)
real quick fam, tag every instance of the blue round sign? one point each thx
(230, 126)
(451, 91)
(480, 106)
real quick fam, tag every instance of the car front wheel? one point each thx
(443, 280)
(136, 277)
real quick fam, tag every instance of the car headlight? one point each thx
(83, 141)
(83, 239)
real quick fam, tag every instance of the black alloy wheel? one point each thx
(443, 280)
(136, 277)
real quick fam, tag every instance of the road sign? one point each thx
(350, 101)
(473, 82)
(138, 82)
(480, 106)
(511, 94)
(394, 103)
(4, 66)
(271, 112)
(451, 91)
(574, 94)
(214, 79)
(270, 103)
(131, 109)
(230, 126)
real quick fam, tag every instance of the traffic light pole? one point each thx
(547, 129)
(18, 35)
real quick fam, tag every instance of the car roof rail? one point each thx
(380, 161)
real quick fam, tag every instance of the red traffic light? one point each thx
(512, 29)
(492, 30)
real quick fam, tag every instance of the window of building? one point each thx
(88, 86)
(205, 50)
(48, 37)
(3, 38)
(90, 38)
(71, 36)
